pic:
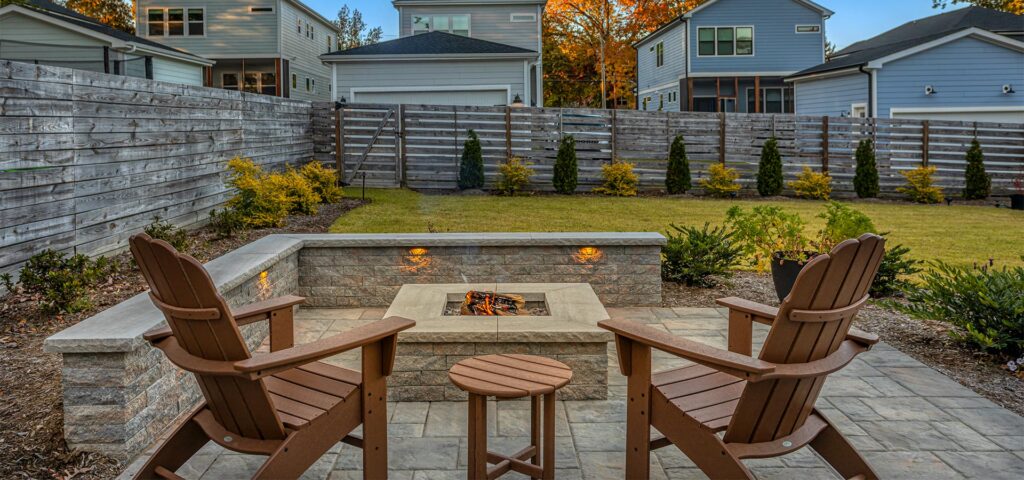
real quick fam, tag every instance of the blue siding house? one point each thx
(730, 56)
(963, 65)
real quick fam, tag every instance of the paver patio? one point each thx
(909, 420)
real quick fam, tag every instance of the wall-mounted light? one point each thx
(417, 260)
(263, 286)
(929, 90)
(517, 101)
(588, 255)
(1008, 89)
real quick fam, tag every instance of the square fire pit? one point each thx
(567, 332)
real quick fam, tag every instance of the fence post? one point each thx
(615, 140)
(560, 126)
(455, 127)
(721, 138)
(924, 142)
(400, 146)
(508, 133)
(824, 144)
(339, 143)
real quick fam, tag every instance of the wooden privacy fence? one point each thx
(87, 159)
(420, 145)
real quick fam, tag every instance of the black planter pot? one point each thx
(1017, 201)
(784, 272)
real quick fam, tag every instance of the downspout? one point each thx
(871, 91)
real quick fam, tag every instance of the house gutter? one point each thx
(871, 90)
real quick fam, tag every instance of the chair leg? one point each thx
(838, 452)
(638, 413)
(375, 413)
(703, 448)
(186, 440)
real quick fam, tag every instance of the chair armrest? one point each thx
(863, 338)
(287, 359)
(740, 366)
(258, 311)
(833, 363)
(758, 312)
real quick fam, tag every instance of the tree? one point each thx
(471, 168)
(978, 183)
(677, 179)
(1012, 6)
(566, 169)
(865, 178)
(351, 26)
(590, 42)
(113, 13)
(769, 170)
(830, 50)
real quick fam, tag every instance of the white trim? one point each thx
(659, 87)
(796, 28)
(739, 74)
(970, 32)
(873, 94)
(448, 88)
(753, 41)
(530, 17)
(459, 56)
(686, 48)
(526, 82)
(1009, 109)
(334, 82)
(254, 56)
(855, 106)
(808, 3)
(823, 75)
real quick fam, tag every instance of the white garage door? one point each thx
(966, 114)
(476, 98)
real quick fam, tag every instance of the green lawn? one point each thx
(954, 234)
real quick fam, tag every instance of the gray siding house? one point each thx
(42, 32)
(261, 46)
(449, 52)
(965, 65)
(730, 56)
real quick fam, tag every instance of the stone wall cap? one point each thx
(482, 239)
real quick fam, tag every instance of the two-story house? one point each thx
(260, 46)
(965, 65)
(449, 52)
(730, 56)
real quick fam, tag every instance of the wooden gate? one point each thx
(369, 144)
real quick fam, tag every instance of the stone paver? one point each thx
(908, 420)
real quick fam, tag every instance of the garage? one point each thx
(476, 98)
(964, 114)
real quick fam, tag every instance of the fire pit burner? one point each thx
(481, 303)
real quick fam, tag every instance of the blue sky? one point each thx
(854, 19)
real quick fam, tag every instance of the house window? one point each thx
(773, 100)
(329, 46)
(295, 81)
(229, 81)
(660, 53)
(268, 83)
(251, 82)
(523, 18)
(308, 89)
(298, 26)
(725, 41)
(808, 28)
(261, 9)
(176, 22)
(457, 24)
(704, 104)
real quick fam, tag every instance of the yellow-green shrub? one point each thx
(265, 199)
(514, 176)
(618, 179)
(323, 180)
(302, 198)
(811, 184)
(920, 186)
(721, 181)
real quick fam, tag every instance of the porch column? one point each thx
(689, 93)
(757, 94)
(277, 78)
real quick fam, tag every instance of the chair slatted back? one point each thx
(182, 285)
(839, 280)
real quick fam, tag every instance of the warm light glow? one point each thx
(416, 260)
(588, 255)
(264, 286)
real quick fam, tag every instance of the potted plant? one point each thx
(1017, 198)
(775, 241)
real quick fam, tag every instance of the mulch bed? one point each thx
(927, 341)
(31, 404)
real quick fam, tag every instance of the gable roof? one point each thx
(430, 44)
(682, 18)
(919, 32)
(62, 14)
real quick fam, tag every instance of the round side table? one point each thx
(511, 376)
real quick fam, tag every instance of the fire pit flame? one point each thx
(492, 304)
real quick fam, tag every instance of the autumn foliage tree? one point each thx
(1012, 6)
(588, 53)
(113, 13)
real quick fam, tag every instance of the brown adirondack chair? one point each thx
(284, 404)
(764, 405)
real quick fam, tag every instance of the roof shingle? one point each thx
(432, 43)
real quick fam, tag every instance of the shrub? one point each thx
(920, 186)
(865, 179)
(721, 181)
(985, 303)
(323, 180)
(566, 170)
(226, 222)
(842, 223)
(471, 168)
(618, 179)
(769, 170)
(63, 281)
(177, 237)
(514, 176)
(978, 183)
(894, 272)
(697, 256)
(813, 185)
(260, 202)
(302, 198)
(765, 230)
(677, 179)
